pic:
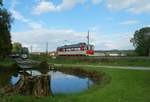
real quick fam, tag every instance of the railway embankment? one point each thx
(104, 61)
(101, 61)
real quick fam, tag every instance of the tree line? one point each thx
(141, 41)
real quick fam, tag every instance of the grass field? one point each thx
(104, 61)
(124, 86)
(6, 63)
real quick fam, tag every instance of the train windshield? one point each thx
(25, 51)
(90, 47)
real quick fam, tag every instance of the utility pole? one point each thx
(88, 38)
(31, 49)
(30, 53)
(46, 48)
(149, 51)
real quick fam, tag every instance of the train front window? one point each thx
(25, 51)
(90, 47)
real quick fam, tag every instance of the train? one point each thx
(79, 49)
(24, 53)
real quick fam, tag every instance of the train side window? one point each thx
(64, 50)
(76, 49)
(60, 49)
(82, 48)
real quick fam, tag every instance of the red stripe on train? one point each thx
(90, 52)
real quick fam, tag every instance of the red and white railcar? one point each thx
(80, 49)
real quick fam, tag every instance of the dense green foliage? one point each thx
(16, 47)
(141, 41)
(5, 26)
(1, 2)
(6, 63)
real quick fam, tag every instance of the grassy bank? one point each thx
(102, 61)
(6, 63)
(125, 86)
(7, 68)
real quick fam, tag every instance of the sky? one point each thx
(111, 23)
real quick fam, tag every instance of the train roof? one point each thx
(72, 46)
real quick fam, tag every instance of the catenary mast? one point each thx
(88, 39)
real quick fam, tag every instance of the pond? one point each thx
(58, 81)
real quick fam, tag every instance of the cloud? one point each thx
(134, 6)
(55, 37)
(69, 4)
(44, 6)
(96, 1)
(18, 16)
(34, 25)
(103, 41)
(119, 4)
(129, 22)
(39, 35)
(142, 6)
(58, 37)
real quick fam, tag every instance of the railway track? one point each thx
(104, 57)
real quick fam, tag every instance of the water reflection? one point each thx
(5, 77)
(65, 83)
(15, 78)
(59, 82)
(33, 72)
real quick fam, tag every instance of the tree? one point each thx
(5, 26)
(141, 41)
(16, 47)
(1, 2)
